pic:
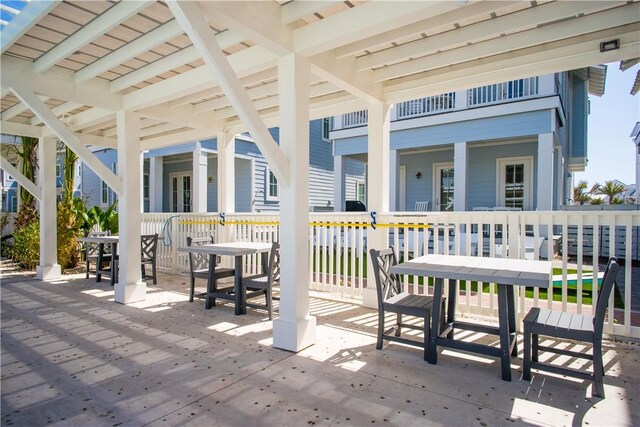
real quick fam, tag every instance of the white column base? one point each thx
(294, 335)
(48, 272)
(369, 295)
(127, 293)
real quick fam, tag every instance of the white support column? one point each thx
(130, 287)
(199, 196)
(544, 200)
(339, 183)
(141, 155)
(49, 269)
(155, 184)
(393, 179)
(226, 182)
(295, 328)
(377, 186)
(460, 166)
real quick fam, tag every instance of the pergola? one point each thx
(138, 75)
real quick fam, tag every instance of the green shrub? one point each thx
(26, 246)
(68, 231)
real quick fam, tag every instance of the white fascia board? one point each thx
(244, 62)
(202, 37)
(144, 43)
(295, 10)
(96, 28)
(68, 137)
(170, 62)
(259, 22)
(483, 30)
(17, 109)
(343, 74)
(27, 18)
(361, 22)
(58, 83)
(450, 13)
(561, 56)
(20, 178)
(20, 129)
(549, 33)
(58, 110)
(349, 132)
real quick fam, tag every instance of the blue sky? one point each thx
(611, 152)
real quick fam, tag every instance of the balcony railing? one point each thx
(338, 259)
(502, 92)
(424, 106)
(357, 118)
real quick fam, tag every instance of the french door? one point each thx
(180, 190)
(443, 186)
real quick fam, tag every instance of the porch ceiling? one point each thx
(87, 60)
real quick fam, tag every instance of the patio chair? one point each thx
(199, 268)
(149, 246)
(262, 284)
(421, 206)
(393, 299)
(579, 327)
(91, 250)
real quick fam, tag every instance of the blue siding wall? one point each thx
(578, 117)
(91, 183)
(422, 189)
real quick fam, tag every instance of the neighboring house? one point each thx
(635, 134)
(508, 145)
(168, 175)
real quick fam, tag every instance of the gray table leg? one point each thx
(99, 262)
(451, 305)
(237, 287)
(503, 322)
(432, 355)
(511, 302)
(209, 301)
(114, 263)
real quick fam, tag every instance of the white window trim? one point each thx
(436, 183)
(501, 163)
(267, 186)
(148, 176)
(104, 202)
(358, 183)
(325, 139)
(179, 176)
(13, 199)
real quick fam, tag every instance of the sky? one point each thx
(611, 152)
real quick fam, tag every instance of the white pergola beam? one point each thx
(29, 16)
(170, 62)
(526, 18)
(295, 10)
(343, 74)
(17, 109)
(64, 134)
(21, 129)
(25, 182)
(259, 22)
(183, 116)
(144, 43)
(549, 33)
(58, 110)
(190, 18)
(176, 138)
(96, 28)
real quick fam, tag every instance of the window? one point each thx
(104, 193)
(145, 186)
(361, 192)
(514, 184)
(326, 128)
(58, 171)
(79, 170)
(14, 204)
(272, 186)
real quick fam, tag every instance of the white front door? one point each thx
(180, 191)
(443, 186)
(515, 180)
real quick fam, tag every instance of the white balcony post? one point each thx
(462, 100)
(155, 184)
(226, 182)
(295, 328)
(130, 288)
(460, 166)
(377, 186)
(141, 157)
(544, 200)
(199, 196)
(393, 179)
(339, 182)
(48, 269)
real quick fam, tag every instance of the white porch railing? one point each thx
(501, 92)
(338, 242)
(425, 106)
(356, 118)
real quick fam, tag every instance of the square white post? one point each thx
(199, 195)
(155, 184)
(393, 179)
(460, 166)
(377, 187)
(339, 183)
(545, 172)
(226, 182)
(295, 328)
(49, 269)
(130, 287)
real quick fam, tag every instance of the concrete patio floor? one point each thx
(71, 356)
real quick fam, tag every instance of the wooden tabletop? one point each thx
(505, 271)
(231, 249)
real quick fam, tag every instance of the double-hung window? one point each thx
(272, 185)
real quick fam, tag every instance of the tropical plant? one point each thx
(26, 248)
(26, 151)
(580, 195)
(106, 220)
(68, 225)
(611, 189)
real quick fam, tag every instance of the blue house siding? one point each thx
(422, 189)
(91, 184)
(578, 118)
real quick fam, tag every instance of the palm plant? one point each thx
(580, 195)
(611, 189)
(27, 152)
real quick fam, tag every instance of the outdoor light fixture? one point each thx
(610, 45)
(419, 175)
